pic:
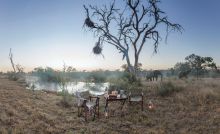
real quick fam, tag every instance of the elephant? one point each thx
(149, 76)
(154, 75)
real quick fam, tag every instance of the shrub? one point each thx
(47, 75)
(12, 76)
(118, 83)
(130, 77)
(167, 88)
(97, 76)
(126, 82)
(62, 81)
(66, 98)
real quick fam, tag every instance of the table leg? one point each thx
(123, 102)
(106, 108)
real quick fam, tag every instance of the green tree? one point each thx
(39, 69)
(128, 29)
(200, 63)
(70, 69)
(182, 67)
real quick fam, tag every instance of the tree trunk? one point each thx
(136, 64)
(130, 67)
(11, 59)
(13, 66)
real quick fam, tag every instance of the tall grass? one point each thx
(46, 75)
(126, 82)
(62, 81)
(167, 88)
(13, 76)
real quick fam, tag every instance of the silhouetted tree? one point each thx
(20, 69)
(128, 28)
(71, 69)
(184, 74)
(17, 68)
(199, 63)
(11, 59)
(39, 69)
(182, 67)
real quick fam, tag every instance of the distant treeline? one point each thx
(51, 75)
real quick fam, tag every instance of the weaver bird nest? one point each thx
(89, 23)
(97, 49)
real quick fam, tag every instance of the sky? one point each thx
(50, 32)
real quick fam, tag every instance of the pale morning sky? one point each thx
(48, 32)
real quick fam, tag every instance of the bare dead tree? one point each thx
(128, 28)
(11, 59)
(20, 69)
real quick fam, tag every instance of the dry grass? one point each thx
(195, 109)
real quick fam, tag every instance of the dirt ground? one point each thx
(194, 110)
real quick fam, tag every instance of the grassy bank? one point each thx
(193, 109)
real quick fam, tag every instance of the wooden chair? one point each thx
(91, 107)
(80, 103)
(136, 98)
(87, 106)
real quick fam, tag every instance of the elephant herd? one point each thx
(154, 75)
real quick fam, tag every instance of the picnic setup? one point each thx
(90, 106)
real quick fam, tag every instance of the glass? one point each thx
(118, 96)
(122, 92)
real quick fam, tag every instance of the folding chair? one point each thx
(136, 98)
(90, 106)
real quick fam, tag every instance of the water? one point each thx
(72, 87)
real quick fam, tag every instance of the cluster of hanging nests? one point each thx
(97, 49)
